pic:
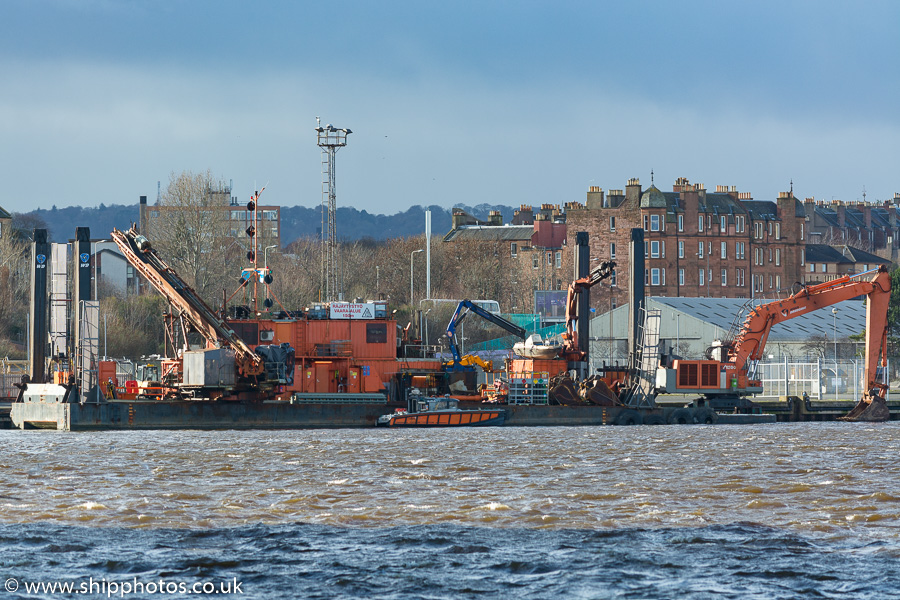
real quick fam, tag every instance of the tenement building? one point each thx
(697, 243)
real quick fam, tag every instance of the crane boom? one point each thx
(462, 309)
(137, 251)
(751, 340)
(597, 274)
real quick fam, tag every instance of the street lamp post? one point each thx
(834, 312)
(266, 255)
(677, 333)
(411, 254)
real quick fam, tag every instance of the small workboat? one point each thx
(443, 412)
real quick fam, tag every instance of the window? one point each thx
(612, 279)
(535, 261)
(376, 333)
(700, 224)
(700, 251)
(654, 249)
(680, 222)
(612, 223)
(646, 223)
(769, 230)
(646, 276)
(778, 256)
(724, 250)
(739, 224)
(513, 249)
(662, 248)
(702, 276)
(777, 231)
(654, 222)
(724, 277)
(654, 276)
(646, 249)
(723, 224)
(802, 257)
(612, 250)
(549, 259)
(770, 282)
(823, 267)
(812, 267)
(801, 234)
(680, 276)
(559, 259)
(740, 250)
(778, 282)
(680, 249)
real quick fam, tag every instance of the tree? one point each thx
(15, 272)
(191, 229)
(133, 325)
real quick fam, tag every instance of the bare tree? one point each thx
(191, 229)
(14, 283)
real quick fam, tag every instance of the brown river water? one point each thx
(765, 511)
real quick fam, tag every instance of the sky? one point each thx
(467, 102)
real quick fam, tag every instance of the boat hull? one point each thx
(448, 418)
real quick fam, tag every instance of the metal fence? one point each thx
(506, 342)
(821, 380)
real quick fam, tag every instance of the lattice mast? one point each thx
(329, 139)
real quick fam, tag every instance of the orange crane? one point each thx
(187, 302)
(728, 373)
(570, 350)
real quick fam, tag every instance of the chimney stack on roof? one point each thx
(495, 218)
(595, 198)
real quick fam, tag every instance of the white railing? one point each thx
(823, 379)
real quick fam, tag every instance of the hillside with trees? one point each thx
(296, 221)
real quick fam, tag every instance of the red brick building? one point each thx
(697, 243)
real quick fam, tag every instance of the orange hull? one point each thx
(450, 418)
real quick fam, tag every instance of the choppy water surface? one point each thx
(774, 511)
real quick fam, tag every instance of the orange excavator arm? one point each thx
(598, 274)
(750, 342)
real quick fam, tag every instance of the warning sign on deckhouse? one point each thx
(352, 310)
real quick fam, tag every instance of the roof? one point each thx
(722, 312)
(491, 233)
(861, 256)
(761, 210)
(823, 253)
(4, 214)
(653, 198)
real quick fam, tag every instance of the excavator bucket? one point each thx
(599, 393)
(563, 391)
(870, 409)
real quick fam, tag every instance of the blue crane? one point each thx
(461, 311)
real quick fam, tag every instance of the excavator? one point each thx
(250, 368)
(570, 350)
(729, 374)
(465, 363)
